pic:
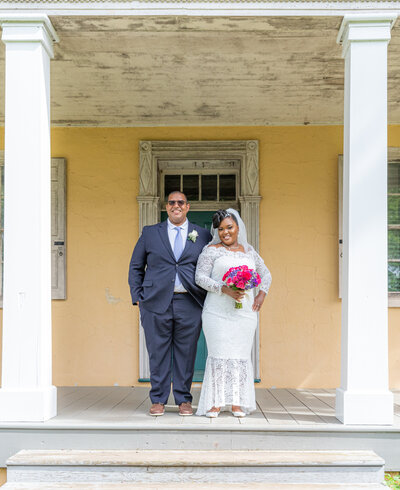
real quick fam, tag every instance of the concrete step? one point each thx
(207, 466)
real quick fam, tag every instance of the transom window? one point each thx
(204, 182)
(209, 187)
(394, 227)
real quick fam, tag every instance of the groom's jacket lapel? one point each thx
(163, 232)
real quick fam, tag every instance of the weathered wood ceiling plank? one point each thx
(152, 71)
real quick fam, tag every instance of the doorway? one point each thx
(213, 175)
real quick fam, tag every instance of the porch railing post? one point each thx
(27, 393)
(364, 396)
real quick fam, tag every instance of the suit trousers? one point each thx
(171, 340)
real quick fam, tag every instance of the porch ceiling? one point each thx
(171, 71)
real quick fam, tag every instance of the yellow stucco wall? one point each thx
(3, 476)
(95, 331)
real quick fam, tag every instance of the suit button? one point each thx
(172, 280)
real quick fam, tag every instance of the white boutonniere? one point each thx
(192, 236)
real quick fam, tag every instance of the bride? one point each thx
(228, 378)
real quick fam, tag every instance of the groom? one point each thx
(161, 278)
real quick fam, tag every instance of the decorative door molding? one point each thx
(246, 151)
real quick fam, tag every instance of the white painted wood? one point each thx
(27, 393)
(224, 8)
(364, 347)
(58, 228)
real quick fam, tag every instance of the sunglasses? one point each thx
(179, 203)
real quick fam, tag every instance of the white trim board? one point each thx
(198, 8)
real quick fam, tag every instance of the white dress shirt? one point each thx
(184, 227)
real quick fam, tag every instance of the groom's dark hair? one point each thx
(177, 192)
(220, 215)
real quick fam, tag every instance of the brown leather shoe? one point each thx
(156, 409)
(185, 409)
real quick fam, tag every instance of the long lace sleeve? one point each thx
(263, 271)
(203, 271)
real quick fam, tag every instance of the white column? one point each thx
(27, 393)
(364, 396)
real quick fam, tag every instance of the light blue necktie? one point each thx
(178, 249)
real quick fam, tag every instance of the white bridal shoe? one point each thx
(212, 415)
(238, 413)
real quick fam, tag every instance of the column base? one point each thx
(364, 408)
(28, 405)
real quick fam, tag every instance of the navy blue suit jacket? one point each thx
(153, 267)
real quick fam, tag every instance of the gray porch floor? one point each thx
(117, 418)
(125, 407)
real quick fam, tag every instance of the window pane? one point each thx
(227, 187)
(191, 187)
(209, 187)
(394, 210)
(394, 277)
(394, 178)
(171, 183)
(394, 244)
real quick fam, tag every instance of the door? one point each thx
(203, 219)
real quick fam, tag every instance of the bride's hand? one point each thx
(236, 295)
(258, 301)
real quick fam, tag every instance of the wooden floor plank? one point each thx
(396, 397)
(255, 418)
(92, 397)
(73, 396)
(274, 412)
(130, 404)
(323, 395)
(320, 408)
(106, 404)
(65, 390)
(296, 408)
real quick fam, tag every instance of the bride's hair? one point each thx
(220, 215)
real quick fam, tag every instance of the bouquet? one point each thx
(241, 278)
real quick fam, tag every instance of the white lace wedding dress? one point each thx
(229, 332)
